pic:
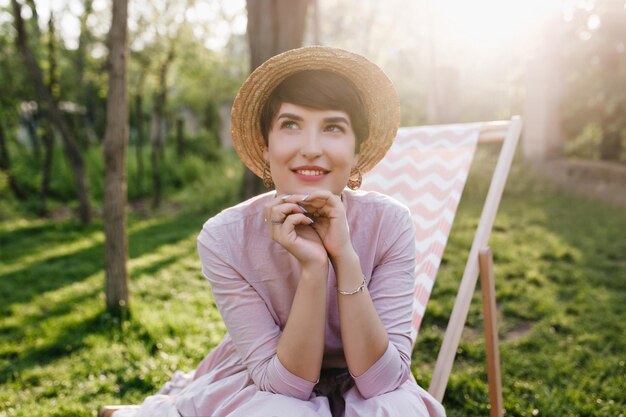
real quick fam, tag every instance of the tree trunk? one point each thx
(83, 40)
(5, 165)
(48, 146)
(115, 143)
(542, 137)
(55, 117)
(316, 22)
(611, 144)
(31, 128)
(87, 91)
(612, 115)
(274, 26)
(34, 19)
(180, 138)
(139, 147)
(157, 131)
(48, 135)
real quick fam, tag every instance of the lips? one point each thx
(310, 170)
(310, 173)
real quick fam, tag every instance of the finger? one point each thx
(278, 209)
(321, 202)
(295, 219)
(271, 203)
(278, 232)
(293, 198)
(288, 207)
(321, 197)
(279, 212)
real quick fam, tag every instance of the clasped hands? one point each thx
(312, 227)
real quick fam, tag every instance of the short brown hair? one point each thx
(320, 90)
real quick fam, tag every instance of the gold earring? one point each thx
(267, 179)
(355, 184)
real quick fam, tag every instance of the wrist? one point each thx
(316, 267)
(314, 280)
(346, 256)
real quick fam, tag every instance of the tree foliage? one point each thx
(194, 54)
(169, 59)
(595, 100)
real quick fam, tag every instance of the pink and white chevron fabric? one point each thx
(426, 169)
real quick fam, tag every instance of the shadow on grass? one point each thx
(70, 341)
(17, 330)
(155, 267)
(34, 231)
(37, 238)
(26, 283)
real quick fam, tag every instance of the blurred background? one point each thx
(559, 64)
(69, 344)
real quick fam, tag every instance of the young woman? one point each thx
(314, 281)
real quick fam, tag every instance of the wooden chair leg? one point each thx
(108, 410)
(488, 289)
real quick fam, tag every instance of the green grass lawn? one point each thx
(561, 291)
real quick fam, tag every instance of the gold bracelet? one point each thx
(360, 289)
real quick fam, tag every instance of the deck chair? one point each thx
(426, 169)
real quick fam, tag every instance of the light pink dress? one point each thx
(254, 280)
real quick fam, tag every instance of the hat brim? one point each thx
(376, 90)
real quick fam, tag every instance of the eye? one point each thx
(336, 128)
(289, 124)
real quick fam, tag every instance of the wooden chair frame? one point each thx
(480, 260)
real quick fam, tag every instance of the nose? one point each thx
(311, 148)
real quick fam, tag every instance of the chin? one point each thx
(307, 188)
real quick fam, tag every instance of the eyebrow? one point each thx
(289, 116)
(337, 119)
(334, 119)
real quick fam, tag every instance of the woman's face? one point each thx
(310, 149)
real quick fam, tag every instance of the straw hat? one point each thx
(378, 94)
